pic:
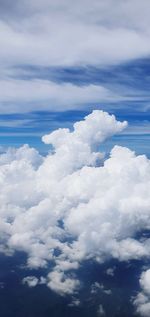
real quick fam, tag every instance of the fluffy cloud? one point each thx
(31, 281)
(73, 205)
(142, 300)
(61, 284)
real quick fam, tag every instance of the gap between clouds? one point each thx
(73, 205)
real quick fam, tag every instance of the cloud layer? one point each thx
(44, 95)
(67, 33)
(38, 39)
(73, 205)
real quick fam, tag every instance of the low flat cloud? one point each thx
(22, 96)
(26, 96)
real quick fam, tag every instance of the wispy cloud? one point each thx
(60, 55)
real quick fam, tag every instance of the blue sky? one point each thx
(74, 222)
(59, 61)
(130, 80)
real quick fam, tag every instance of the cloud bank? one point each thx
(74, 205)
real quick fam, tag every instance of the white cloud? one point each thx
(63, 33)
(95, 287)
(75, 302)
(23, 96)
(110, 271)
(145, 281)
(47, 95)
(142, 300)
(66, 33)
(61, 284)
(31, 281)
(69, 207)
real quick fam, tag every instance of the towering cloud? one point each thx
(71, 206)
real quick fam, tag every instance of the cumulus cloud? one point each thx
(62, 284)
(31, 281)
(74, 205)
(142, 300)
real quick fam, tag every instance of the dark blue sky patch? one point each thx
(22, 301)
(135, 74)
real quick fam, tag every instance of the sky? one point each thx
(59, 60)
(74, 153)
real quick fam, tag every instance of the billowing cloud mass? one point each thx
(73, 205)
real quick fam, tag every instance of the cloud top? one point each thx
(74, 205)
